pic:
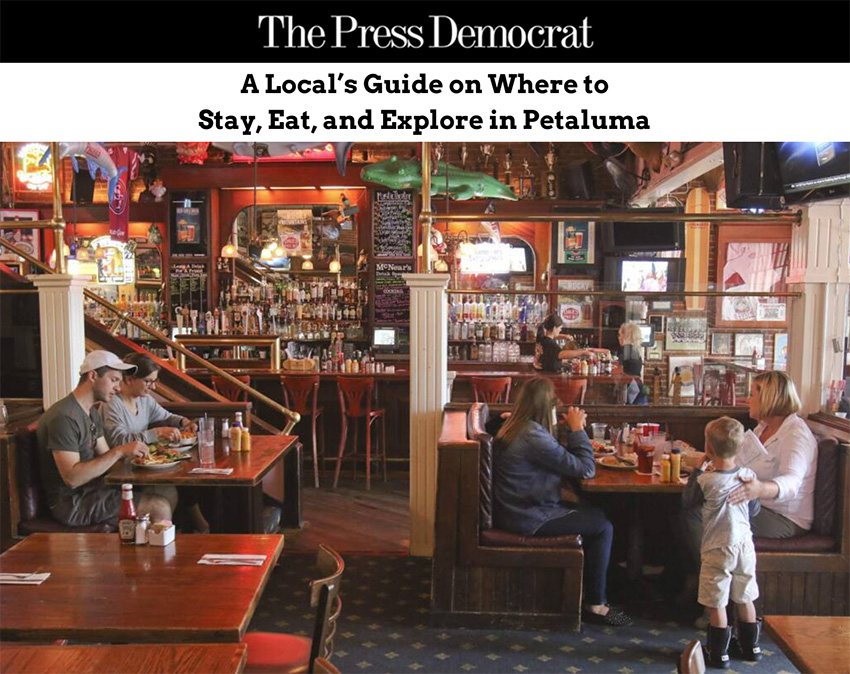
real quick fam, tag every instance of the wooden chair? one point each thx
(570, 391)
(322, 666)
(491, 389)
(355, 402)
(271, 652)
(692, 660)
(229, 390)
(301, 394)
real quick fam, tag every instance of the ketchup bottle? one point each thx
(127, 515)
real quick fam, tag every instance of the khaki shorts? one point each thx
(728, 573)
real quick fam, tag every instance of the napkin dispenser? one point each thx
(161, 534)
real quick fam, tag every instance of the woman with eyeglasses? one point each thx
(133, 414)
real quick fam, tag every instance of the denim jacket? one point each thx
(527, 477)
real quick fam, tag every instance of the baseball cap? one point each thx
(97, 359)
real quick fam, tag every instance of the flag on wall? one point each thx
(119, 207)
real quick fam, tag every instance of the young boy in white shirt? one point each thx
(728, 558)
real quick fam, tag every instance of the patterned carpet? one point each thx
(384, 628)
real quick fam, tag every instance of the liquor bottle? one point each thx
(127, 515)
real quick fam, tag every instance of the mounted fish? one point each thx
(400, 174)
(96, 157)
(287, 149)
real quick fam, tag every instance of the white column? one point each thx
(428, 367)
(63, 332)
(820, 249)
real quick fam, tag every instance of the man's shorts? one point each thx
(728, 573)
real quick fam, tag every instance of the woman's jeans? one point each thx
(597, 533)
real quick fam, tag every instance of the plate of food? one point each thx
(158, 458)
(615, 463)
(602, 448)
(187, 439)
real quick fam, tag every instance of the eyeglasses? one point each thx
(150, 383)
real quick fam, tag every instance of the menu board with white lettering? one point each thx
(393, 223)
(392, 296)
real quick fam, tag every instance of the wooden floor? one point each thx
(352, 520)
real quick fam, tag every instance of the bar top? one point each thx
(266, 373)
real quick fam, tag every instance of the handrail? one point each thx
(292, 417)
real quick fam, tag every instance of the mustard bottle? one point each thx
(675, 464)
(246, 440)
(236, 434)
(665, 468)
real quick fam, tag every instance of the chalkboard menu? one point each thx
(393, 223)
(188, 285)
(392, 296)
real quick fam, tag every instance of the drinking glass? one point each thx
(206, 442)
(599, 431)
(644, 459)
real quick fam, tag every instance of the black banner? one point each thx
(652, 31)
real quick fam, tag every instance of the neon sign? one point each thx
(30, 175)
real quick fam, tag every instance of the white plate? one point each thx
(611, 463)
(181, 447)
(155, 466)
(187, 442)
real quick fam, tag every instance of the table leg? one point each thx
(634, 553)
(292, 515)
(253, 512)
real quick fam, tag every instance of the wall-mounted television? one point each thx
(385, 338)
(631, 236)
(644, 274)
(814, 171)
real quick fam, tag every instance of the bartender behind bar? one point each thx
(547, 352)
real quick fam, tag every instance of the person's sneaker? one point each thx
(614, 618)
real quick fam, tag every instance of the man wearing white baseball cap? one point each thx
(75, 456)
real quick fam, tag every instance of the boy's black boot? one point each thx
(748, 640)
(717, 651)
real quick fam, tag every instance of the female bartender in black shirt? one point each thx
(547, 352)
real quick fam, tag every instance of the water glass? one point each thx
(206, 442)
(599, 431)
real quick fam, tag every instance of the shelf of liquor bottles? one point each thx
(304, 309)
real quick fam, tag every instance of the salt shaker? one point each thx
(142, 525)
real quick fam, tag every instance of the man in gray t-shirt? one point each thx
(74, 455)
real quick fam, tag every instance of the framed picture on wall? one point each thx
(657, 323)
(25, 239)
(685, 365)
(753, 260)
(686, 333)
(747, 342)
(188, 224)
(780, 351)
(576, 310)
(574, 243)
(721, 344)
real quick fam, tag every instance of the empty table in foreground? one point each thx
(102, 591)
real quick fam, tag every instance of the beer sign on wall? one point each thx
(116, 264)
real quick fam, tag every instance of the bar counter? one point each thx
(600, 387)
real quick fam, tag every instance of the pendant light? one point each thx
(335, 266)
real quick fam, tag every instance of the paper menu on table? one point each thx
(751, 449)
(23, 578)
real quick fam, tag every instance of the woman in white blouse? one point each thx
(785, 476)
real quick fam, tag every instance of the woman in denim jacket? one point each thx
(528, 467)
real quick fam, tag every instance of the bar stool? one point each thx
(229, 390)
(570, 391)
(355, 402)
(491, 389)
(301, 394)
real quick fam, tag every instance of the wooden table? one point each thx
(152, 659)
(629, 482)
(814, 644)
(249, 468)
(100, 590)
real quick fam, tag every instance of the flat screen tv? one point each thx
(814, 171)
(630, 237)
(645, 274)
